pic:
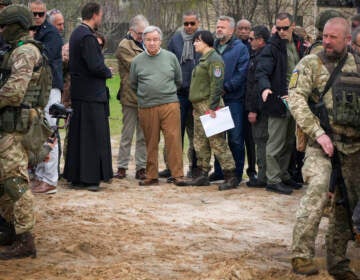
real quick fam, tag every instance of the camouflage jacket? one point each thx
(308, 75)
(22, 60)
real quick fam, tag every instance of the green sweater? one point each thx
(155, 79)
(207, 80)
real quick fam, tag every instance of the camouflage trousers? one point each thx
(204, 146)
(316, 172)
(16, 200)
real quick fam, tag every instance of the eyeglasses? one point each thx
(39, 14)
(187, 23)
(285, 28)
(137, 33)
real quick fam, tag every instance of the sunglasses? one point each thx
(39, 14)
(192, 23)
(2, 26)
(251, 39)
(285, 28)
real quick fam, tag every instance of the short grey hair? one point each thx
(150, 29)
(354, 34)
(191, 13)
(52, 13)
(228, 19)
(136, 20)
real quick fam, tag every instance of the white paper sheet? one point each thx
(221, 123)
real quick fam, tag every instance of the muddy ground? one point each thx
(164, 232)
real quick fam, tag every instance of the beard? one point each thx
(334, 55)
(219, 36)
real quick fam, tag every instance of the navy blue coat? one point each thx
(236, 59)
(176, 45)
(52, 41)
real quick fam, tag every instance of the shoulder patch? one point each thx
(294, 79)
(217, 71)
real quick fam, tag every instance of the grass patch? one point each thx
(115, 119)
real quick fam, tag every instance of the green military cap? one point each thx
(5, 2)
(16, 14)
(325, 16)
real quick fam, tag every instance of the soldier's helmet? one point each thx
(5, 2)
(324, 17)
(16, 14)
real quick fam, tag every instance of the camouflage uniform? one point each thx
(205, 93)
(16, 201)
(308, 75)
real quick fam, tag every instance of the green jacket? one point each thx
(207, 80)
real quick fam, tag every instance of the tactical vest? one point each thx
(346, 96)
(36, 96)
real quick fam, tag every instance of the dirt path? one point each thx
(163, 232)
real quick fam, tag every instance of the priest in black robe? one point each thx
(88, 159)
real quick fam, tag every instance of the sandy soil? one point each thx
(164, 232)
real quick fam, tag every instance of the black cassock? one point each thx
(88, 158)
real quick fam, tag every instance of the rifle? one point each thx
(336, 179)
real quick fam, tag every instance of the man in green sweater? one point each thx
(155, 76)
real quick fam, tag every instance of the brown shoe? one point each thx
(304, 266)
(23, 247)
(44, 187)
(149, 182)
(140, 174)
(181, 182)
(120, 174)
(34, 183)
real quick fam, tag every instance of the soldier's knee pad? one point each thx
(15, 187)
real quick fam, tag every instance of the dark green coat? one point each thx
(207, 80)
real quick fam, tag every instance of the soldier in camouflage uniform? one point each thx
(205, 96)
(312, 73)
(16, 200)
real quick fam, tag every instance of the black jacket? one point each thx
(52, 41)
(252, 97)
(87, 68)
(271, 73)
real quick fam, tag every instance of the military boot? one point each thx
(22, 247)
(201, 180)
(304, 266)
(231, 181)
(7, 233)
(347, 275)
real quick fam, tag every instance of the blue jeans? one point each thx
(235, 139)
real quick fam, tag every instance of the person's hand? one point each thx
(326, 144)
(252, 117)
(265, 94)
(286, 97)
(212, 113)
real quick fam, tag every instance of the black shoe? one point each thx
(231, 183)
(279, 188)
(202, 180)
(170, 180)
(292, 184)
(255, 183)
(165, 173)
(215, 177)
(93, 188)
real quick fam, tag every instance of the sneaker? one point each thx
(140, 174)
(120, 174)
(304, 266)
